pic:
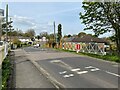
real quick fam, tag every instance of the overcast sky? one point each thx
(41, 15)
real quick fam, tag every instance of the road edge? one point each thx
(57, 84)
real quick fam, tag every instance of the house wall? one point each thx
(3, 52)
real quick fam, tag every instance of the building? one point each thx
(1, 20)
(87, 44)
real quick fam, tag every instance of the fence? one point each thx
(95, 48)
(3, 52)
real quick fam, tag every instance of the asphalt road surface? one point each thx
(75, 71)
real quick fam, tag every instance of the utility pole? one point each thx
(10, 32)
(54, 33)
(6, 22)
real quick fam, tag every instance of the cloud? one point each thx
(26, 23)
(33, 27)
(61, 11)
(50, 23)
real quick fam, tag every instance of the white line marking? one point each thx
(112, 73)
(82, 72)
(62, 72)
(96, 69)
(54, 61)
(90, 67)
(77, 69)
(61, 63)
(70, 75)
(66, 76)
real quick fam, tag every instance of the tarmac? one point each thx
(26, 74)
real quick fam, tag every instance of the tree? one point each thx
(51, 36)
(12, 33)
(59, 35)
(102, 17)
(16, 41)
(38, 37)
(20, 33)
(67, 36)
(81, 34)
(30, 33)
(51, 40)
(44, 34)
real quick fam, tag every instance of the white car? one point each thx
(36, 45)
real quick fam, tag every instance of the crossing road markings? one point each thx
(77, 69)
(62, 72)
(55, 61)
(92, 68)
(61, 64)
(67, 76)
(82, 72)
(96, 69)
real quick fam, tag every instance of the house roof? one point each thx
(69, 39)
(20, 37)
(86, 38)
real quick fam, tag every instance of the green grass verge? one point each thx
(6, 71)
(114, 58)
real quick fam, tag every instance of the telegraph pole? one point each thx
(6, 22)
(10, 32)
(54, 33)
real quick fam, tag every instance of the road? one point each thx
(75, 71)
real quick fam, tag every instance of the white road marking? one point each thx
(61, 63)
(54, 61)
(82, 72)
(70, 75)
(90, 67)
(66, 76)
(112, 73)
(62, 72)
(77, 69)
(96, 69)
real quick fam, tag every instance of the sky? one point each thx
(41, 15)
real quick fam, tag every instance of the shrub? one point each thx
(6, 69)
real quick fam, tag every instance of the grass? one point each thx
(114, 58)
(6, 72)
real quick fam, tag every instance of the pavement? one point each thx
(27, 75)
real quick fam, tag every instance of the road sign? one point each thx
(78, 47)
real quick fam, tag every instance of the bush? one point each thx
(6, 71)
(17, 42)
